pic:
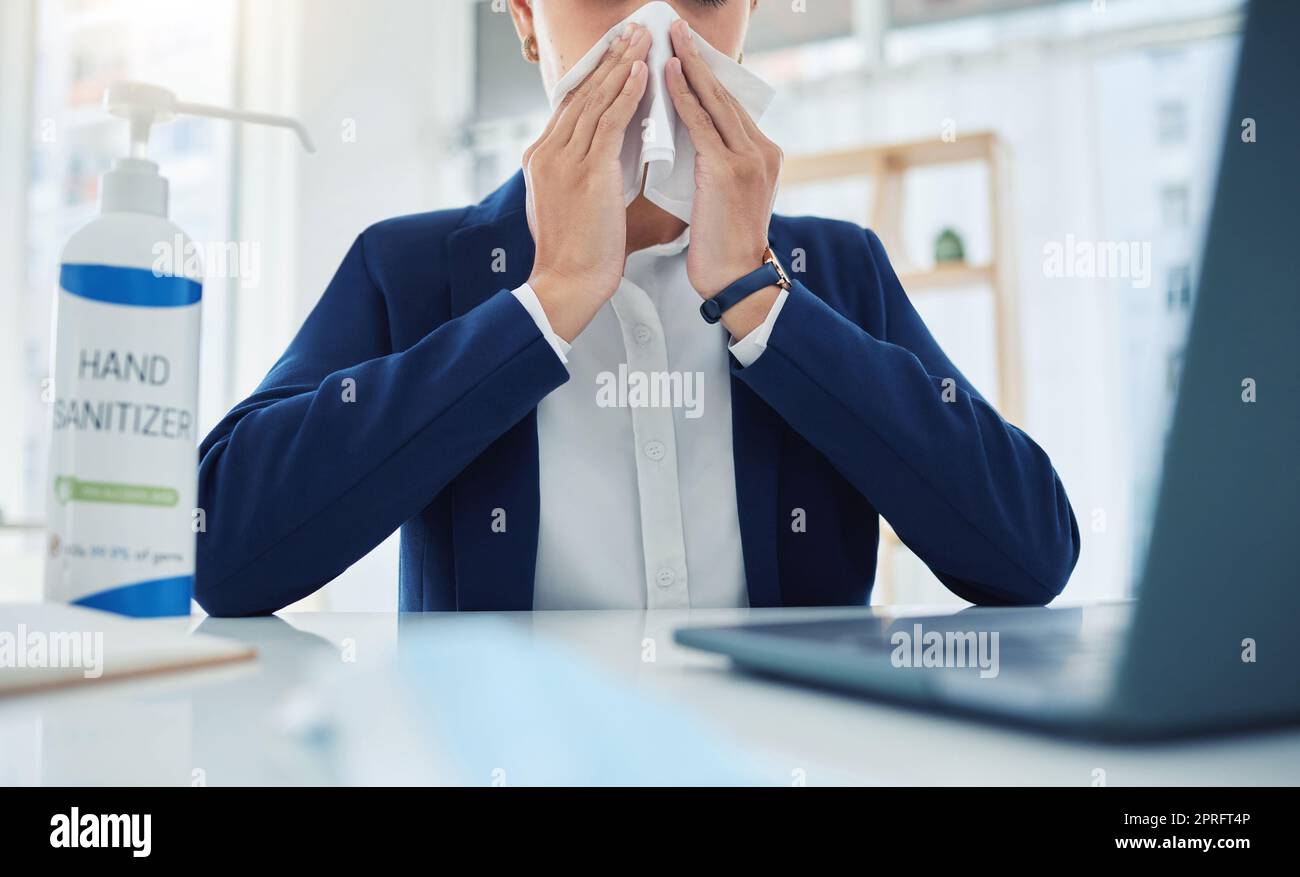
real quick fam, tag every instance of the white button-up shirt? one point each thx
(638, 482)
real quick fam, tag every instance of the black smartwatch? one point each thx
(770, 273)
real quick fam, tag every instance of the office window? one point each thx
(1175, 212)
(908, 12)
(1179, 288)
(1173, 371)
(1171, 122)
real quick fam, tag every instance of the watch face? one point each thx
(769, 256)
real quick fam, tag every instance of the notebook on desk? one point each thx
(45, 646)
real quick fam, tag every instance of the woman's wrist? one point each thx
(749, 313)
(725, 271)
(570, 302)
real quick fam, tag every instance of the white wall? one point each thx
(20, 551)
(15, 133)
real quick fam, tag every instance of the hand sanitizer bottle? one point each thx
(120, 507)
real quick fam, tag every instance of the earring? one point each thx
(529, 49)
(741, 59)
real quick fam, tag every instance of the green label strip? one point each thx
(69, 489)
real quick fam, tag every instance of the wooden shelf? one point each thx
(865, 161)
(951, 276)
(886, 165)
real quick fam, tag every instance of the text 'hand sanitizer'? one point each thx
(120, 512)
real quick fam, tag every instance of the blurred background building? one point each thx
(1105, 116)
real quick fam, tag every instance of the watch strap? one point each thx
(762, 277)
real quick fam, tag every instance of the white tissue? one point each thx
(657, 143)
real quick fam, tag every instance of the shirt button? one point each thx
(642, 334)
(665, 577)
(655, 450)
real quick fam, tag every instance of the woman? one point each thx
(454, 381)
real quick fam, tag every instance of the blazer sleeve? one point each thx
(973, 496)
(346, 439)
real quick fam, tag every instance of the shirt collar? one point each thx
(671, 248)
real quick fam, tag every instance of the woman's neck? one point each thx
(648, 224)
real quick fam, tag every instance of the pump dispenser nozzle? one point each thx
(134, 183)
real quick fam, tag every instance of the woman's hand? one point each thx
(736, 173)
(575, 189)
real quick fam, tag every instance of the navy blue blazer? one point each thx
(408, 399)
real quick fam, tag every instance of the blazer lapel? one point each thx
(495, 570)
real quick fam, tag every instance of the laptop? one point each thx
(1212, 640)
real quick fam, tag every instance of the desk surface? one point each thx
(252, 725)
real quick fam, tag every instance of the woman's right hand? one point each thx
(575, 189)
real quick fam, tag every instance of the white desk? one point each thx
(245, 725)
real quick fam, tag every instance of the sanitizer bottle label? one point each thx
(122, 480)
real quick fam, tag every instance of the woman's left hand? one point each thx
(736, 173)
